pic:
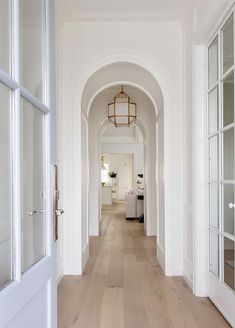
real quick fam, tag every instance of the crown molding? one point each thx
(170, 29)
(213, 18)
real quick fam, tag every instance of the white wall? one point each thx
(85, 183)
(188, 155)
(160, 190)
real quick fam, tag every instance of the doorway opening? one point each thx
(122, 172)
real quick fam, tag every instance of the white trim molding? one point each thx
(199, 169)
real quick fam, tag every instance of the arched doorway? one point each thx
(97, 122)
(134, 71)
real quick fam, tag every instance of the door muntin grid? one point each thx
(221, 179)
(11, 78)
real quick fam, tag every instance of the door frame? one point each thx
(15, 295)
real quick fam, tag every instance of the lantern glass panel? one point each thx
(122, 109)
(122, 120)
(111, 109)
(132, 109)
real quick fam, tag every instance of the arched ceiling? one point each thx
(122, 73)
(131, 134)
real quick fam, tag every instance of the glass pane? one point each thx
(5, 35)
(213, 110)
(122, 113)
(132, 109)
(214, 253)
(111, 109)
(228, 100)
(31, 46)
(228, 45)
(5, 188)
(122, 120)
(228, 212)
(213, 144)
(32, 185)
(122, 109)
(228, 160)
(214, 204)
(229, 272)
(213, 63)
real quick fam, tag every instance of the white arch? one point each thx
(95, 132)
(116, 55)
(171, 252)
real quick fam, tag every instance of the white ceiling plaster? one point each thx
(112, 131)
(77, 10)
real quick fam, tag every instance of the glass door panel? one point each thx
(213, 63)
(214, 252)
(228, 45)
(228, 265)
(213, 146)
(214, 205)
(5, 188)
(228, 194)
(33, 185)
(228, 100)
(213, 110)
(228, 154)
(32, 46)
(5, 32)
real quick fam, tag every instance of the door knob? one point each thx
(231, 205)
(31, 213)
(58, 212)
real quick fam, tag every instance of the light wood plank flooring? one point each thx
(123, 285)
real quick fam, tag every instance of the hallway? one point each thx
(123, 286)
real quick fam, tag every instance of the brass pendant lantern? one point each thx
(122, 110)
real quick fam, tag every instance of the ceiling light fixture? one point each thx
(122, 110)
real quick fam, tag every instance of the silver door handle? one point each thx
(58, 212)
(231, 205)
(36, 211)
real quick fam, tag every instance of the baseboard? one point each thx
(161, 256)
(59, 278)
(188, 273)
(85, 256)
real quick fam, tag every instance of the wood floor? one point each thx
(123, 285)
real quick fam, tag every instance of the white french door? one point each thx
(221, 179)
(27, 251)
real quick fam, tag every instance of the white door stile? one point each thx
(16, 187)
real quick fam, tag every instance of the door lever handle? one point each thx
(231, 205)
(58, 212)
(36, 211)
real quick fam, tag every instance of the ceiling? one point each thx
(73, 10)
(112, 131)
